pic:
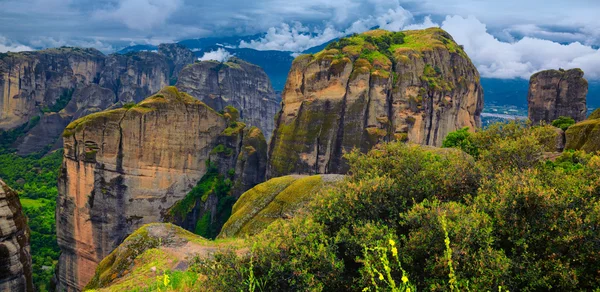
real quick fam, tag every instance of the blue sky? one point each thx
(505, 39)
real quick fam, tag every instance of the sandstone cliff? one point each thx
(236, 83)
(60, 85)
(556, 93)
(178, 57)
(378, 86)
(32, 80)
(127, 167)
(15, 258)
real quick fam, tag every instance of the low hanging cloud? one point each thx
(297, 37)
(8, 46)
(220, 55)
(522, 58)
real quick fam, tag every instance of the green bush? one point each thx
(563, 122)
(461, 139)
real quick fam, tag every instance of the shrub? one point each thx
(563, 122)
(461, 139)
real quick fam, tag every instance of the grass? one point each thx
(32, 203)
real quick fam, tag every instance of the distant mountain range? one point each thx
(498, 92)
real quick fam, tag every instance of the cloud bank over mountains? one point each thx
(505, 39)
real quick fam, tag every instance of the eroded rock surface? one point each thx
(556, 93)
(127, 167)
(15, 257)
(235, 83)
(379, 86)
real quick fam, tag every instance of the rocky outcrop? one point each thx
(127, 167)
(236, 83)
(584, 135)
(15, 258)
(276, 199)
(42, 83)
(178, 57)
(150, 252)
(30, 81)
(378, 86)
(556, 93)
(134, 76)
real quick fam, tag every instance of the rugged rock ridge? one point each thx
(15, 258)
(556, 93)
(378, 86)
(584, 135)
(41, 83)
(126, 167)
(236, 83)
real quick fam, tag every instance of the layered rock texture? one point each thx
(585, 135)
(378, 86)
(276, 199)
(235, 83)
(60, 85)
(127, 167)
(556, 93)
(15, 258)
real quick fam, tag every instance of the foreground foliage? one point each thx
(416, 218)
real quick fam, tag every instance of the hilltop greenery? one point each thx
(410, 217)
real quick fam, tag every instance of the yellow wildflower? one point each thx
(394, 251)
(404, 279)
(392, 242)
(166, 280)
(380, 276)
(407, 289)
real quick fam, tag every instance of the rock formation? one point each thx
(42, 83)
(127, 167)
(584, 135)
(556, 93)
(277, 198)
(236, 83)
(378, 86)
(30, 81)
(178, 57)
(150, 251)
(15, 258)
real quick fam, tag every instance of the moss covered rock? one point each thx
(584, 136)
(151, 252)
(278, 198)
(372, 87)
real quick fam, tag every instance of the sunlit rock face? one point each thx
(414, 86)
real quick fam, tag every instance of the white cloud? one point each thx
(522, 58)
(294, 38)
(220, 55)
(141, 14)
(297, 37)
(8, 46)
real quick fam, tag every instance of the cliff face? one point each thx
(412, 86)
(31, 80)
(42, 83)
(556, 93)
(135, 76)
(236, 83)
(15, 258)
(178, 57)
(584, 135)
(127, 167)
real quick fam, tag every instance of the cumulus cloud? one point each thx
(8, 46)
(220, 55)
(495, 58)
(141, 14)
(296, 37)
